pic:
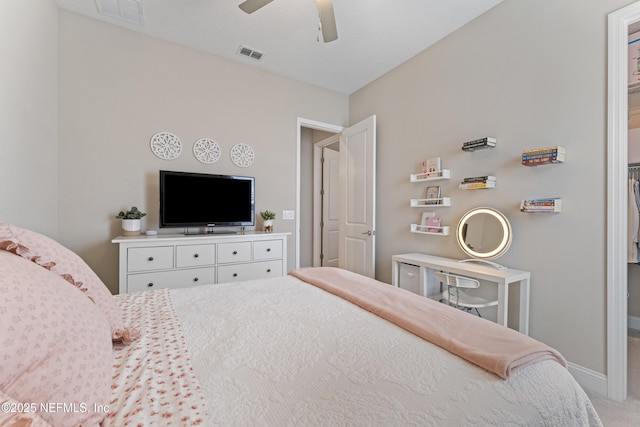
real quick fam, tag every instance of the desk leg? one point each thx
(503, 304)
(524, 307)
(395, 274)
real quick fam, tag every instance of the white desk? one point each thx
(503, 278)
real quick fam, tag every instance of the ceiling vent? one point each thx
(250, 53)
(126, 10)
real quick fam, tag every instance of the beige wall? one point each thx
(118, 88)
(531, 74)
(29, 114)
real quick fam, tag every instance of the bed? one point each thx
(316, 347)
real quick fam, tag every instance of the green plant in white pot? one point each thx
(131, 223)
(267, 220)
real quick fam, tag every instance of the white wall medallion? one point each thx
(242, 155)
(206, 150)
(166, 145)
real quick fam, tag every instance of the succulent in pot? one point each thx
(267, 220)
(131, 223)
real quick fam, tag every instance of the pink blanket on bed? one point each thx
(491, 346)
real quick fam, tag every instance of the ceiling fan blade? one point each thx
(250, 6)
(327, 20)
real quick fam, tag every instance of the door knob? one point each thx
(369, 233)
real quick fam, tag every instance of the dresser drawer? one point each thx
(267, 249)
(195, 255)
(145, 259)
(234, 252)
(255, 270)
(171, 279)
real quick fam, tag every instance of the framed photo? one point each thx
(425, 218)
(433, 195)
(433, 224)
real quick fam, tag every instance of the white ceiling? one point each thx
(374, 36)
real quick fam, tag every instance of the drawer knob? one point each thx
(235, 252)
(196, 255)
(268, 249)
(235, 274)
(150, 258)
(268, 270)
(150, 284)
(195, 279)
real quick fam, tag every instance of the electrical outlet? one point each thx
(288, 215)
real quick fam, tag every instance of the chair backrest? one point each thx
(456, 281)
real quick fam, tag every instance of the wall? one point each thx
(531, 74)
(28, 114)
(118, 88)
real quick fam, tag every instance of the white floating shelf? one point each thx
(431, 203)
(433, 176)
(422, 229)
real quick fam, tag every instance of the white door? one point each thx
(358, 197)
(330, 207)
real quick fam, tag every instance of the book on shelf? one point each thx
(424, 219)
(541, 205)
(484, 178)
(433, 224)
(479, 143)
(544, 155)
(476, 185)
(433, 166)
(433, 195)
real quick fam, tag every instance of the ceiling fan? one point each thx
(325, 12)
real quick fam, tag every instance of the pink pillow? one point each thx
(55, 346)
(51, 255)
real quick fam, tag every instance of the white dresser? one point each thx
(179, 261)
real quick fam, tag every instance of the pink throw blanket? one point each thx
(491, 346)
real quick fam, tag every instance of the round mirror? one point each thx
(484, 233)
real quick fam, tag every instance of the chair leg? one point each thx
(478, 312)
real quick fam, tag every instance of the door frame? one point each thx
(318, 148)
(617, 197)
(311, 124)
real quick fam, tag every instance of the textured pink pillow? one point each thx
(55, 346)
(51, 255)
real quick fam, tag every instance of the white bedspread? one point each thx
(280, 352)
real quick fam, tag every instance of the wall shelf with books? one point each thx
(479, 144)
(543, 156)
(435, 231)
(550, 205)
(430, 176)
(431, 202)
(478, 182)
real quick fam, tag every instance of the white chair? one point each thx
(454, 292)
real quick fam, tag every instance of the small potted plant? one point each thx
(131, 221)
(267, 220)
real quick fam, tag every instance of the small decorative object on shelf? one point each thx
(131, 221)
(267, 220)
(432, 167)
(478, 144)
(551, 205)
(478, 182)
(433, 195)
(543, 156)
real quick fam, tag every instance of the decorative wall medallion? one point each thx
(166, 145)
(242, 155)
(206, 150)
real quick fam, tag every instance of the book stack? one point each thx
(477, 182)
(477, 144)
(541, 205)
(541, 156)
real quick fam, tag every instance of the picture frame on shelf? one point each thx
(424, 220)
(433, 166)
(433, 224)
(433, 195)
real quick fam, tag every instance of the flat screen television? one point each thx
(190, 199)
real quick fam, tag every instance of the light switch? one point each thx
(288, 215)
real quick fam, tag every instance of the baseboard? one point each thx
(589, 380)
(633, 322)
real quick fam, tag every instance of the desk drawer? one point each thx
(147, 259)
(410, 278)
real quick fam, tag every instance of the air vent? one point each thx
(126, 10)
(250, 53)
